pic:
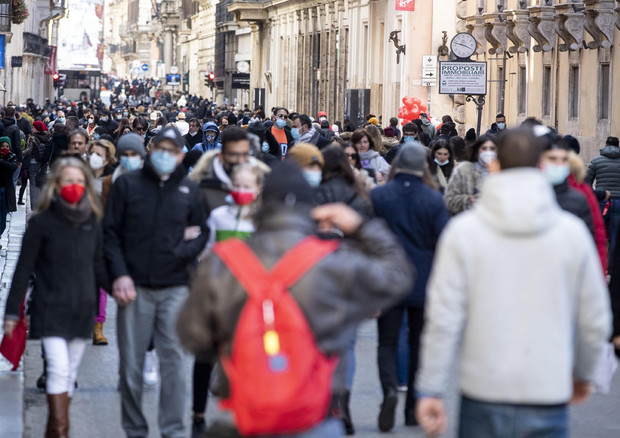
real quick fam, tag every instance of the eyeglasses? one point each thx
(282, 116)
(140, 129)
(354, 156)
(237, 155)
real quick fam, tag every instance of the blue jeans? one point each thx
(498, 420)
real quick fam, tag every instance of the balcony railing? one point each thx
(36, 45)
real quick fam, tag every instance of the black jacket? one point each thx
(192, 141)
(8, 166)
(59, 143)
(25, 126)
(605, 170)
(574, 202)
(614, 290)
(11, 130)
(339, 190)
(68, 263)
(145, 223)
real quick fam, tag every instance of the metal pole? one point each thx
(479, 106)
(428, 104)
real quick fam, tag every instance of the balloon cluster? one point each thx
(411, 109)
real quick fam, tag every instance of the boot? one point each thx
(58, 416)
(346, 414)
(98, 338)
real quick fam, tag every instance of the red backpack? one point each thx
(280, 382)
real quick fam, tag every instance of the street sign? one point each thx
(145, 67)
(458, 77)
(241, 81)
(16, 61)
(429, 70)
(174, 69)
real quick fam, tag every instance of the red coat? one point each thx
(600, 235)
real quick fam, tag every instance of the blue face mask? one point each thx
(313, 177)
(280, 123)
(131, 163)
(210, 138)
(441, 163)
(96, 136)
(61, 120)
(409, 138)
(295, 133)
(163, 162)
(501, 126)
(265, 147)
(556, 174)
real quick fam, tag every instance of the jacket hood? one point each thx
(6, 121)
(518, 202)
(611, 151)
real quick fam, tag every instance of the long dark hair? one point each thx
(337, 165)
(458, 147)
(434, 167)
(358, 162)
(473, 157)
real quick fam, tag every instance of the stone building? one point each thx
(27, 50)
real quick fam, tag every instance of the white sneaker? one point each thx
(150, 375)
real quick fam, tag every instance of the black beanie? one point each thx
(471, 135)
(572, 143)
(286, 185)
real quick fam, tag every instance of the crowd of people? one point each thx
(202, 221)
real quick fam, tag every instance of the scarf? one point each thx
(77, 216)
(307, 136)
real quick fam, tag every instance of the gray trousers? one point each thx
(35, 192)
(154, 314)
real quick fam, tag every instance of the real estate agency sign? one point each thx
(405, 5)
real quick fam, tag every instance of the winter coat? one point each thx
(371, 263)
(192, 140)
(574, 202)
(8, 166)
(59, 144)
(372, 160)
(416, 214)
(466, 180)
(339, 190)
(605, 170)
(69, 267)
(518, 288)
(203, 146)
(42, 149)
(11, 130)
(145, 223)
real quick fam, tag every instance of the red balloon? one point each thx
(416, 101)
(408, 101)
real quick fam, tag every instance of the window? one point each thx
(573, 92)
(522, 90)
(603, 93)
(500, 90)
(546, 97)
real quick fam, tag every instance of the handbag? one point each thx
(13, 348)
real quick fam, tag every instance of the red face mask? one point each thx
(72, 193)
(4, 152)
(242, 198)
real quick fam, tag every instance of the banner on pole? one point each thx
(50, 66)
(405, 5)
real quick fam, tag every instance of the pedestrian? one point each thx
(149, 212)
(513, 382)
(280, 129)
(394, 126)
(369, 157)
(441, 163)
(310, 159)
(64, 297)
(368, 271)
(210, 139)
(410, 133)
(193, 136)
(466, 182)
(304, 132)
(427, 126)
(459, 149)
(416, 214)
(604, 171)
(8, 166)
(24, 174)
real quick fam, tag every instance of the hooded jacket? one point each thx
(12, 131)
(605, 170)
(205, 146)
(518, 285)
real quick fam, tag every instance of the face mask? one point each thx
(193, 133)
(295, 133)
(103, 119)
(125, 114)
(313, 177)
(242, 198)
(96, 136)
(163, 162)
(119, 117)
(59, 108)
(265, 147)
(4, 152)
(131, 163)
(96, 162)
(91, 121)
(322, 118)
(556, 173)
(61, 120)
(487, 157)
(210, 138)
(501, 126)
(280, 123)
(409, 138)
(441, 163)
(72, 193)
(143, 136)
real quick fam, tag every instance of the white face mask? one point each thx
(487, 157)
(96, 162)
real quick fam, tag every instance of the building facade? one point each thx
(27, 50)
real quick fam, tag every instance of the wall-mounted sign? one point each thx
(405, 5)
(463, 78)
(16, 61)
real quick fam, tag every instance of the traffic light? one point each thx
(56, 78)
(210, 80)
(186, 79)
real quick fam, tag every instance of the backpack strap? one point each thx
(244, 265)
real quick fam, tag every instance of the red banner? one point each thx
(50, 67)
(405, 5)
(99, 11)
(99, 52)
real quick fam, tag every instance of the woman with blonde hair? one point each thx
(63, 247)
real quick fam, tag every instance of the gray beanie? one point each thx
(131, 142)
(411, 158)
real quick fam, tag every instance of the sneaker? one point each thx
(402, 388)
(150, 375)
(388, 411)
(198, 427)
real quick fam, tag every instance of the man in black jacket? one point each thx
(11, 130)
(194, 136)
(155, 226)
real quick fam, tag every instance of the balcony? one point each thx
(35, 45)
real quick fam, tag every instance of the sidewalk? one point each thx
(11, 383)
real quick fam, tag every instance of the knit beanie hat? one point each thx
(306, 154)
(39, 126)
(374, 121)
(287, 185)
(5, 140)
(131, 142)
(411, 158)
(388, 132)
